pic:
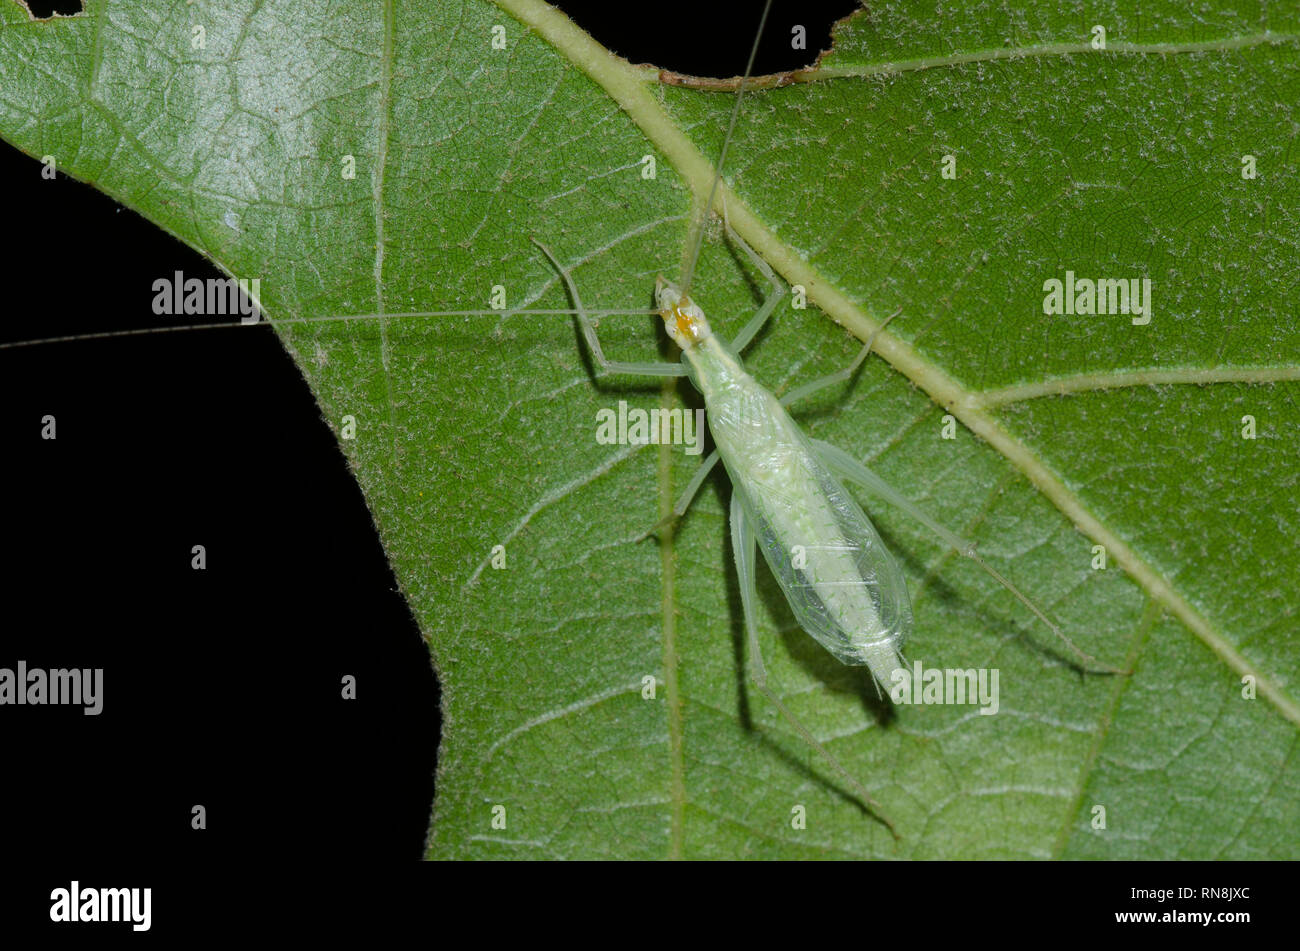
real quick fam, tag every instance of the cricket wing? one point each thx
(844, 587)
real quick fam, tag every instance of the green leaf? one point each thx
(1071, 431)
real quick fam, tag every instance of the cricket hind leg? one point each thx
(744, 547)
(606, 366)
(846, 467)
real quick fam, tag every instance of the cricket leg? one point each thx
(659, 369)
(839, 376)
(688, 495)
(751, 329)
(848, 468)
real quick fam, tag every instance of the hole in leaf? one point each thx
(44, 9)
(711, 38)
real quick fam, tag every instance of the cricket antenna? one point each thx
(698, 240)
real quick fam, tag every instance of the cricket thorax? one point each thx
(745, 419)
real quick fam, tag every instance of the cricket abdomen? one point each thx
(843, 586)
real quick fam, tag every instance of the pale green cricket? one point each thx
(843, 586)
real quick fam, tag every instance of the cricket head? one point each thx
(683, 318)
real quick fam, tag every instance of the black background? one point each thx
(222, 687)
